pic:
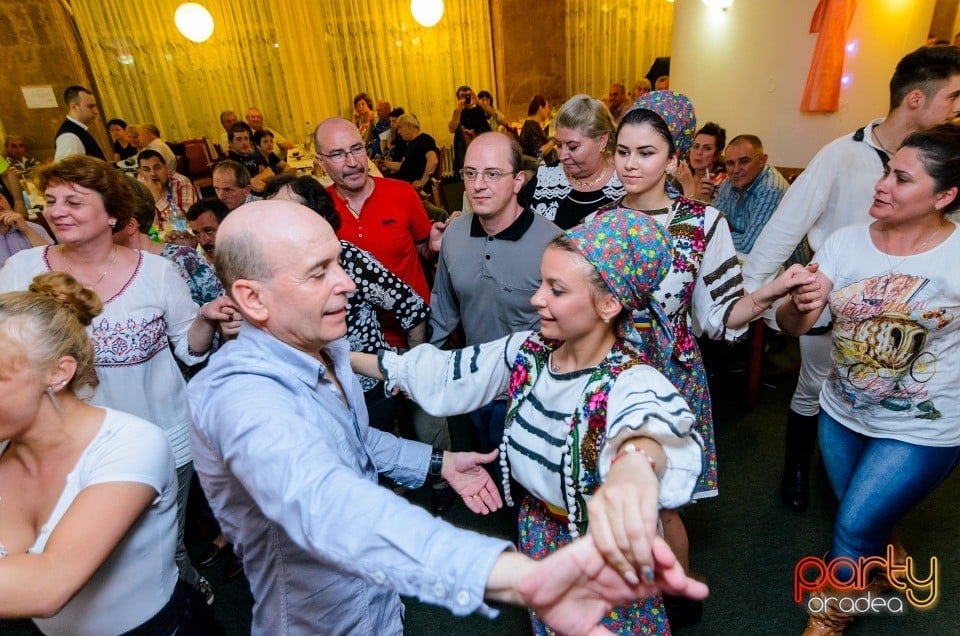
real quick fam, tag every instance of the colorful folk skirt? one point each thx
(541, 533)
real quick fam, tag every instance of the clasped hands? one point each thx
(225, 313)
(575, 587)
(809, 296)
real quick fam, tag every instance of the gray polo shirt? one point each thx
(486, 282)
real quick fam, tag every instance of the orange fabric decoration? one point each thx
(831, 20)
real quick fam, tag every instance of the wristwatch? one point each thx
(436, 463)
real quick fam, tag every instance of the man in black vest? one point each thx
(73, 137)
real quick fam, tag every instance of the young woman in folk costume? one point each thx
(704, 286)
(595, 434)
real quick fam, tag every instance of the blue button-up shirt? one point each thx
(748, 210)
(290, 469)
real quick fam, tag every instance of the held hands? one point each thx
(623, 517)
(223, 311)
(574, 588)
(796, 277)
(809, 296)
(470, 480)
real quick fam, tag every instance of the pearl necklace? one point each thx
(587, 184)
(113, 257)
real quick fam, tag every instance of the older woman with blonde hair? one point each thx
(89, 507)
(148, 315)
(584, 180)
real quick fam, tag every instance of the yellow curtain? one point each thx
(375, 46)
(296, 60)
(614, 41)
(146, 71)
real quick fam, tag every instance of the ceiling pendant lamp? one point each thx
(194, 21)
(718, 4)
(427, 12)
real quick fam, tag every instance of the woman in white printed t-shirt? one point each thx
(890, 413)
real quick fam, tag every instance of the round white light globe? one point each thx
(194, 21)
(427, 12)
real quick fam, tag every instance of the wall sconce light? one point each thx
(427, 12)
(194, 21)
(718, 4)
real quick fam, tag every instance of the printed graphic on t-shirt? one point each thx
(882, 326)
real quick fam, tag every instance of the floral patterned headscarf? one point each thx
(677, 110)
(632, 253)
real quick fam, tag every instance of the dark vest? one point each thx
(90, 145)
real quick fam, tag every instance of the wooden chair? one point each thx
(199, 162)
(790, 174)
(182, 162)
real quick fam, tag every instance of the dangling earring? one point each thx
(53, 398)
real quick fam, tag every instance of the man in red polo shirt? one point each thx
(382, 216)
(386, 218)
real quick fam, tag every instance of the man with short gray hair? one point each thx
(281, 443)
(422, 154)
(17, 155)
(150, 138)
(751, 192)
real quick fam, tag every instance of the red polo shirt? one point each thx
(391, 222)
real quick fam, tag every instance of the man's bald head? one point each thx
(333, 128)
(248, 248)
(342, 154)
(284, 274)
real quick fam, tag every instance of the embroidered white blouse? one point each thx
(132, 339)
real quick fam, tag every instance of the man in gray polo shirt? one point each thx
(489, 264)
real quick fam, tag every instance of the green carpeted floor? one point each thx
(744, 542)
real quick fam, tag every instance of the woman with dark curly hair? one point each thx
(889, 426)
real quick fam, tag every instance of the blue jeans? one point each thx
(877, 482)
(488, 421)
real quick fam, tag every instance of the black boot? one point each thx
(800, 441)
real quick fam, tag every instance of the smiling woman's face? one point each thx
(75, 213)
